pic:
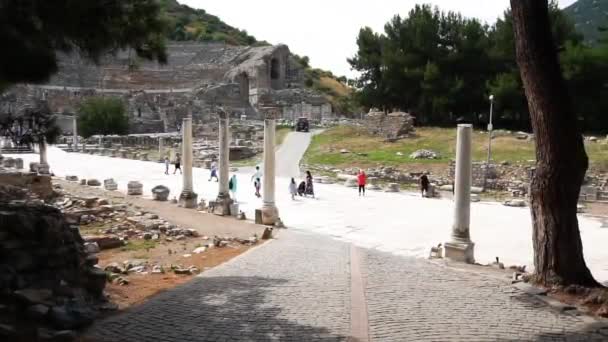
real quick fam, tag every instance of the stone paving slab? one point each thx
(296, 288)
(414, 300)
(301, 287)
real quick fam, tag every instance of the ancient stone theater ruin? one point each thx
(197, 77)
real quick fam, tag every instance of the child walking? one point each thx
(293, 189)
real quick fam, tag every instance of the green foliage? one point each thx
(371, 151)
(102, 115)
(441, 67)
(189, 24)
(590, 18)
(34, 31)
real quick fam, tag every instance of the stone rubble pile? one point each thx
(117, 273)
(424, 154)
(47, 280)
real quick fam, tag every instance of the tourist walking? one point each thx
(214, 172)
(232, 187)
(167, 162)
(361, 181)
(178, 165)
(257, 181)
(293, 190)
(424, 185)
(309, 187)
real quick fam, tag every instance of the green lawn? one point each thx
(367, 150)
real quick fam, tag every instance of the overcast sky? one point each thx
(326, 30)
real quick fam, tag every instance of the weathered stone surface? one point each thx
(18, 163)
(135, 188)
(515, 203)
(91, 247)
(43, 263)
(160, 193)
(392, 126)
(93, 182)
(104, 242)
(110, 184)
(424, 154)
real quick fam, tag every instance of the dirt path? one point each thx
(205, 224)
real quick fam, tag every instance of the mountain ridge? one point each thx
(589, 17)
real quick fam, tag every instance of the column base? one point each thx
(460, 251)
(188, 199)
(222, 205)
(270, 214)
(44, 169)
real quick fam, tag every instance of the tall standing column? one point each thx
(161, 149)
(188, 198)
(461, 248)
(75, 134)
(270, 213)
(223, 202)
(43, 168)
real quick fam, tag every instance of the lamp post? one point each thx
(490, 128)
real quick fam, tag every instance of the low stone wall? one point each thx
(37, 184)
(46, 279)
(392, 126)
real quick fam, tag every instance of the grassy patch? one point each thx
(139, 245)
(368, 151)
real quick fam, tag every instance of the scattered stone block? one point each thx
(93, 182)
(515, 203)
(135, 188)
(160, 193)
(71, 178)
(18, 163)
(110, 185)
(258, 216)
(83, 182)
(91, 247)
(424, 154)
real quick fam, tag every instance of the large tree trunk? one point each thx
(561, 161)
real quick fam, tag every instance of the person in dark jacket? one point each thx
(424, 184)
(309, 187)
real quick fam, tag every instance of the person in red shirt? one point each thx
(361, 180)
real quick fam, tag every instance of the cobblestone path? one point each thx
(304, 287)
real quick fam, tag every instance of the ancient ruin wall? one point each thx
(393, 125)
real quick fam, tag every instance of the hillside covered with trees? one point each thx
(590, 17)
(442, 67)
(188, 24)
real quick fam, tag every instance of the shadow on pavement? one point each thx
(209, 309)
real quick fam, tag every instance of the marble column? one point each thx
(223, 201)
(161, 149)
(461, 248)
(44, 164)
(187, 199)
(75, 134)
(270, 213)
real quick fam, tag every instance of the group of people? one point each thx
(423, 182)
(176, 162)
(305, 187)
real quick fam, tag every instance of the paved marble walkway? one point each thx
(307, 287)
